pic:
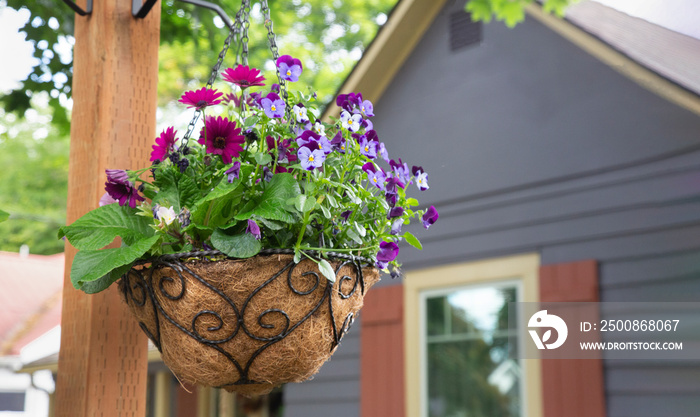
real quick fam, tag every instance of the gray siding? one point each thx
(335, 390)
(532, 145)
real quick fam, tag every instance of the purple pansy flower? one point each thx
(253, 229)
(368, 148)
(430, 217)
(121, 189)
(234, 172)
(376, 178)
(367, 124)
(400, 168)
(351, 122)
(284, 156)
(347, 101)
(392, 183)
(391, 199)
(338, 143)
(396, 227)
(394, 212)
(387, 253)
(365, 108)
(273, 106)
(165, 143)
(311, 159)
(421, 177)
(255, 99)
(346, 215)
(300, 113)
(290, 68)
(307, 137)
(201, 98)
(383, 152)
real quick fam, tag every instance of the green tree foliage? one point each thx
(511, 12)
(34, 186)
(328, 36)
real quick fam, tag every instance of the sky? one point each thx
(678, 15)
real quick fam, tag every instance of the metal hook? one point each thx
(139, 10)
(215, 7)
(77, 8)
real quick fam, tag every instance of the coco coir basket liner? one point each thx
(245, 325)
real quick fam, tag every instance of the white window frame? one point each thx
(521, 270)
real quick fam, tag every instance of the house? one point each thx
(30, 301)
(564, 159)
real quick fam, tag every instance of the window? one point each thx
(458, 361)
(470, 367)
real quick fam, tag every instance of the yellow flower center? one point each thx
(273, 108)
(289, 72)
(374, 179)
(366, 148)
(311, 158)
(349, 121)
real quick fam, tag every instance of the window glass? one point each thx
(472, 370)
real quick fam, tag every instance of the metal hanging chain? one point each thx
(236, 29)
(273, 48)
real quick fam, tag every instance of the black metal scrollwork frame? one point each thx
(142, 288)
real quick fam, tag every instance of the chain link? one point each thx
(241, 26)
(273, 48)
(236, 29)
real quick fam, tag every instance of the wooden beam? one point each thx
(102, 362)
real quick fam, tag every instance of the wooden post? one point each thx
(102, 363)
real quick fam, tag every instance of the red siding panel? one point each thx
(572, 387)
(382, 354)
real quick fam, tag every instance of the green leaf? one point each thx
(4, 216)
(90, 265)
(352, 234)
(273, 202)
(175, 190)
(412, 240)
(479, 10)
(360, 229)
(327, 270)
(304, 204)
(101, 284)
(411, 202)
(242, 245)
(98, 228)
(225, 188)
(332, 201)
(297, 256)
(271, 224)
(326, 212)
(263, 158)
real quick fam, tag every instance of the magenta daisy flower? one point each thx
(120, 188)
(221, 137)
(165, 143)
(243, 76)
(201, 98)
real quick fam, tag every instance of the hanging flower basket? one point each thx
(245, 325)
(245, 254)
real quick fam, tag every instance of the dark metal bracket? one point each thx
(140, 10)
(215, 7)
(78, 9)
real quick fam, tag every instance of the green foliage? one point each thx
(34, 160)
(90, 265)
(326, 36)
(511, 12)
(4, 216)
(241, 245)
(99, 227)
